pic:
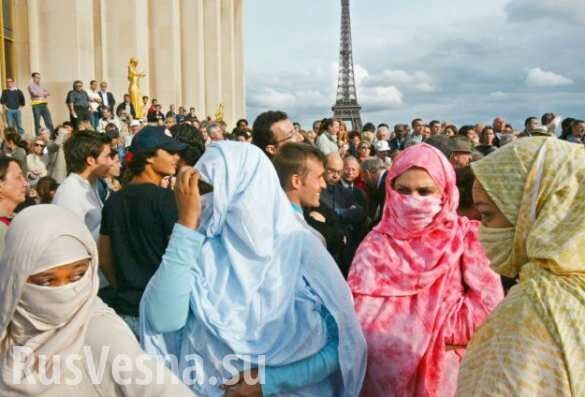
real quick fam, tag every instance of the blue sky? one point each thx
(456, 60)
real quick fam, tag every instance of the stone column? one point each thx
(228, 61)
(193, 55)
(213, 56)
(239, 61)
(124, 34)
(61, 47)
(165, 51)
(22, 59)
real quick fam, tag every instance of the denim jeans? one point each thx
(14, 119)
(95, 119)
(42, 110)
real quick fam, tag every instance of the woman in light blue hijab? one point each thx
(253, 285)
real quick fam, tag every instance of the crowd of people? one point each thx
(418, 260)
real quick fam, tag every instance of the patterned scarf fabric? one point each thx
(534, 343)
(420, 295)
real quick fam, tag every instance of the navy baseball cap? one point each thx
(151, 137)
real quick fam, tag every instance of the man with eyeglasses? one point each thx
(13, 99)
(350, 212)
(271, 130)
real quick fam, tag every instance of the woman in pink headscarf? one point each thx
(421, 281)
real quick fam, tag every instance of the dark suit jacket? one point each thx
(332, 232)
(345, 203)
(111, 100)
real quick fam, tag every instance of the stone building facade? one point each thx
(192, 51)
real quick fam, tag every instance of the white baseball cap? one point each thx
(382, 146)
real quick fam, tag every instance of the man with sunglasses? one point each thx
(78, 103)
(13, 99)
(138, 220)
(36, 165)
(271, 130)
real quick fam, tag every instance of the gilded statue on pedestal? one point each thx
(134, 87)
(219, 113)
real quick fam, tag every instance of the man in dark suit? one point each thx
(350, 213)
(374, 175)
(106, 96)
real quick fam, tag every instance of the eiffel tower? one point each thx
(346, 106)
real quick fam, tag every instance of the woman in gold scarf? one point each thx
(531, 196)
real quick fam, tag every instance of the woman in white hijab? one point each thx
(57, 338)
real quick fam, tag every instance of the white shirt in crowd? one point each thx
(106, 101)
(36, 167)
(78, 195)
(94, 100)
(327, 143)
(103, 123)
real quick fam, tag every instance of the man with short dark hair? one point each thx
(87, 154)
(400, 138)
(78, 103)
(13, 99)
(192, 115)
(577, 132)
(530, 125)
(418, 127)
(182, 115)
(138, 220)
(435, 127)
(88, 158)
(126, 106)
(301, 169)
(272, 129)
(155, 114)
(38, 98)
(107, 118)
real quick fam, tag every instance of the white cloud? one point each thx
(380, 98)
(540, 78)
(270, 98)
(419, 81)
(374, 97)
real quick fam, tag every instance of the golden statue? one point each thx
(134, 88)
(219, 113)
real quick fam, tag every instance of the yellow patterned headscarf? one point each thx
(539, 185)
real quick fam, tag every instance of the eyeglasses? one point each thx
(287, 138)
